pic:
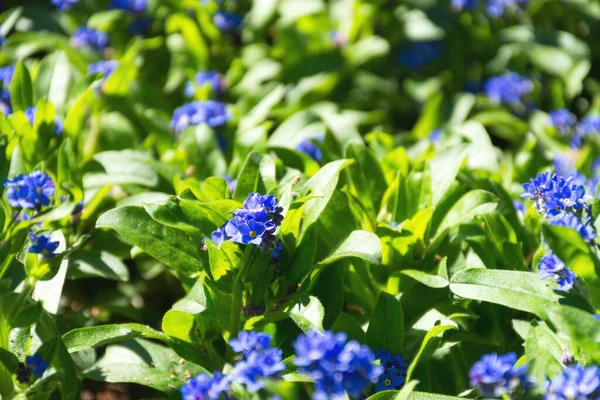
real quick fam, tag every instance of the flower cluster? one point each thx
(336, 365)
(394, 374)
(259, 361)
(554, 195)
(254, 224)
(89, 37)
(494, 8)
(30, 114)
(105, 68)
(585, 228)
(30, 191)
(416, 55)
(64, 5)
(213, 113)
(509, 88)
(310, 148)
(42, 244)
(575, 382)
(129, 5)
(6, 74)
(36, 365)
(563, 120)
(588, 126)
(552, 267)
(497, 376)
(211, 78)
(227, 22)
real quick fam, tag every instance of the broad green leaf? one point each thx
(427, 279)
(580, 326)
(169, 245)
(226, 257)
(523, 291)
(21, 90)
(386, 326)
(97, 263)
(54, 79)
(308, 314)
(249, 179)
(350, 326)
(96, 336)
(544, 352)
(367, 176)
(123, 167)
(194, 41)
(260, 112)
(200, 145)
(444, 168)
(360, 244)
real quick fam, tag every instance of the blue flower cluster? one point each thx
(213, 113)
(36, 365)
(89, 37)
(105, 68)
(563, 120)
(30, 191)
(227, 22)
(394, 374)
(6, 75)
(259, 361)
(129, 5)
(554, 195)
(42, 244)
(497, 376)
(30, 114)
(64, 5)
(575, 382)
(509, 88)
(588, 126)
(255, 224)
(494, 8)
(416, 55)
(336, 365)
(310, 148)
(552, 267)
(585, 228)
(211, 78)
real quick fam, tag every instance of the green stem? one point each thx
(236, 310)
(214, 357)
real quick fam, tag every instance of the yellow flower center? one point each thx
(388, 382)
(38, 190)
(252, 234)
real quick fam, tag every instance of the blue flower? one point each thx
(88, 37)
(227, 22)
(140, 26)
(308, 147)
(212, 113)
(495, 8)
(129, 5)
(42, 244)
(589, 125)
(464, 4)
(395, 371)
(435, 135)
(563, 120)
(36, 365)
(336, 366)
(205, 387)
(30, 191)
(508, 88)
(585, 229)
(6, 75)
(257, 366)
(211, 78)
(416, 55)
(246, 231)
(63, 5)
(552, 267)
(249, 341)
(575, 382)
(231, 183)
(496, 375)
(277, 250)
(597, 316)
(555, 195)
(519, 206)
(30, 114)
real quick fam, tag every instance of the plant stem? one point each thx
(236, 310)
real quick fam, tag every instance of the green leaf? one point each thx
(350, 326)
(308, 314)
(54, 79)
(367, 176)
(102, 335)
(21, 91)
(424, 353)
(260, 112)
(169, 245)
(360, 244)
(97, 263)
(386, 326)
(226, 257)
(433, 281)
(123, 167)
(523, 291)
(248, 180)
(580, 326)
(8, 360)
(444, 168)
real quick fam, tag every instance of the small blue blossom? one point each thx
(395, 371)
(6, 75)
(249, 341)
(257, 366)
(308, 147)
(555, 195)
(213, 113)
(416, 55)
(509, 88)
(496, 375)
(30, 191)
(105, 68)
(435, 135)
(597, 316)
(88, 37)
(227, 22)
(495, 8)
(211, 78)
(575, 382)
(563, 120)
(64, 5)
(205, 387)
(256, 204)
(464, 4)
(277, 250)
(585, 229)
(589, 125)
(137, 6)
(36, 365)
(552, 267)
(519, 206)
(231, 183)
(243, 231)
(140, 26)
(336, 366)
(30, 114)
(42, 244)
